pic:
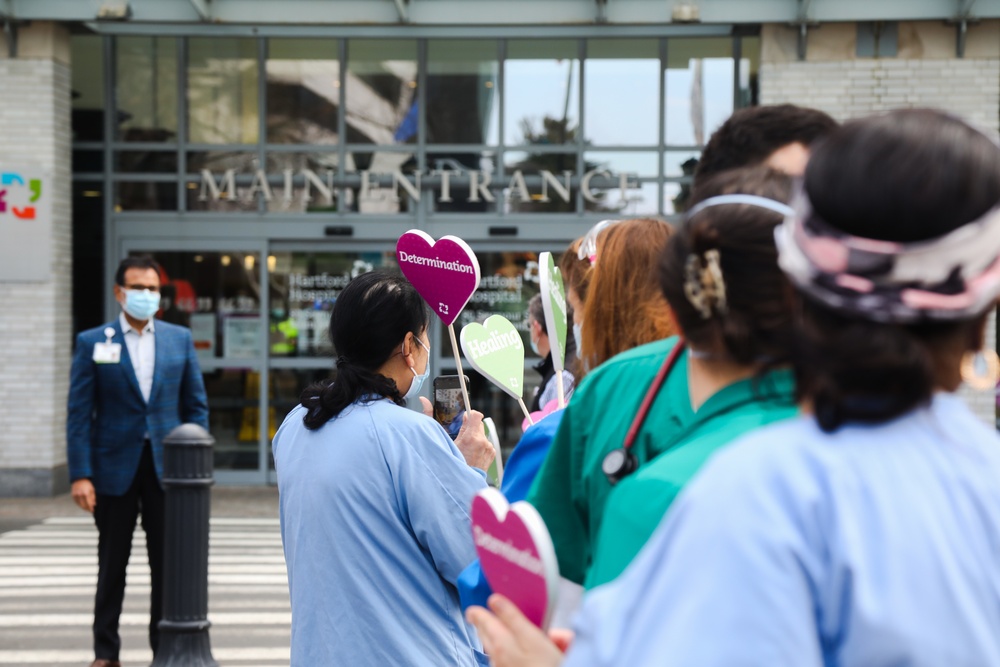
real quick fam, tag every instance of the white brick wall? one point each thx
(849, 88)
(35, 318)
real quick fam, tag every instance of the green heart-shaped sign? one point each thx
(494, 348)
(554, 307)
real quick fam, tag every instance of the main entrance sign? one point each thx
(375, 186)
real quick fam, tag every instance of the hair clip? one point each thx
(704, 285)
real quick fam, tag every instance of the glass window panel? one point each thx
(542, 96)
(88, 284)
(621, 92)
(676, 196)
(241, 192)
(680, 163)
(304, 286)
(381, 91)
(87, 53)
(462, 92)
(749, 71)
(543, 196)
(146, 88)
(471, 176)
(145, 196)
(632, 188)
(216, 295)
(303, 91)
(222, 90)
(387, 184)
(234, 413)
(145, 162)
(90, 162)
(699, 88)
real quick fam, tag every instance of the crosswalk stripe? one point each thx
(48, 577)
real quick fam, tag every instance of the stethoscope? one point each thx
(622, 462)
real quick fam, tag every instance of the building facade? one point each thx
(265, 158)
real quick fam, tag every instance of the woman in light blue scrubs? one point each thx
(374, 498)
(867, 531)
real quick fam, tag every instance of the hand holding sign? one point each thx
(554, 308)
(494, 348)
(516, 554)
(446, 274)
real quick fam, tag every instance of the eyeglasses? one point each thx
(588, 247)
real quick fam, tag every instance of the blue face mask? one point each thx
(141, 304)
(418, 380)
(534, 348)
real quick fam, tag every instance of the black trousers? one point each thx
(115, 517)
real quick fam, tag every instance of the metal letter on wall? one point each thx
(25, 224)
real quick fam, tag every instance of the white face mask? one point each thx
(578, 336)
(418, 380)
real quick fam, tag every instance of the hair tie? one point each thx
(342, 361)
(704, 286)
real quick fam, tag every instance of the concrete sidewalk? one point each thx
(253, 502)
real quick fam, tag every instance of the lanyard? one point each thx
(621, 462)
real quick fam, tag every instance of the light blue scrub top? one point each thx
(375, 525)
(874, 546)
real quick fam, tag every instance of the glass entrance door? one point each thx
(259, 348)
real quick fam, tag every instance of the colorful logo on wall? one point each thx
(26, 195)
(19, 195)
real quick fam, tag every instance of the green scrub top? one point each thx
(637, 504)
(570, 489)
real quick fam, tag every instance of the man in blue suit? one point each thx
(132, 381)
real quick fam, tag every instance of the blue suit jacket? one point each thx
(107, 416)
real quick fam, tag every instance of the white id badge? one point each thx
(107, 353)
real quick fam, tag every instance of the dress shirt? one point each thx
(142, 352)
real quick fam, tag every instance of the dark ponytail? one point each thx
(370, 318)
(906, 176)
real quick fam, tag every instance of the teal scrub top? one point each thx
(637, 504)
(570, 489)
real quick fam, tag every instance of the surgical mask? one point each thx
(534, 348)
(418, 380)
(578, 337)
(141, 304)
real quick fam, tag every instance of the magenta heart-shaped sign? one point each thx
(445, 272)
(516, 554)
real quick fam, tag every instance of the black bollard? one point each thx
(187, 478)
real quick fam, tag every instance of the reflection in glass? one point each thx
(698, 85)
(680, 165)
(146, 88)
(216, 295)
(621, 92)
(145, 196)
(675, 197)
(462, 95)
(749, 81)
(632, 189)
(304, 286)
(303, 91)
(388, 183)
(234, 413)
(542, 96)
(87, 54)
(381, 91)
(222, 90)
(146, 162)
